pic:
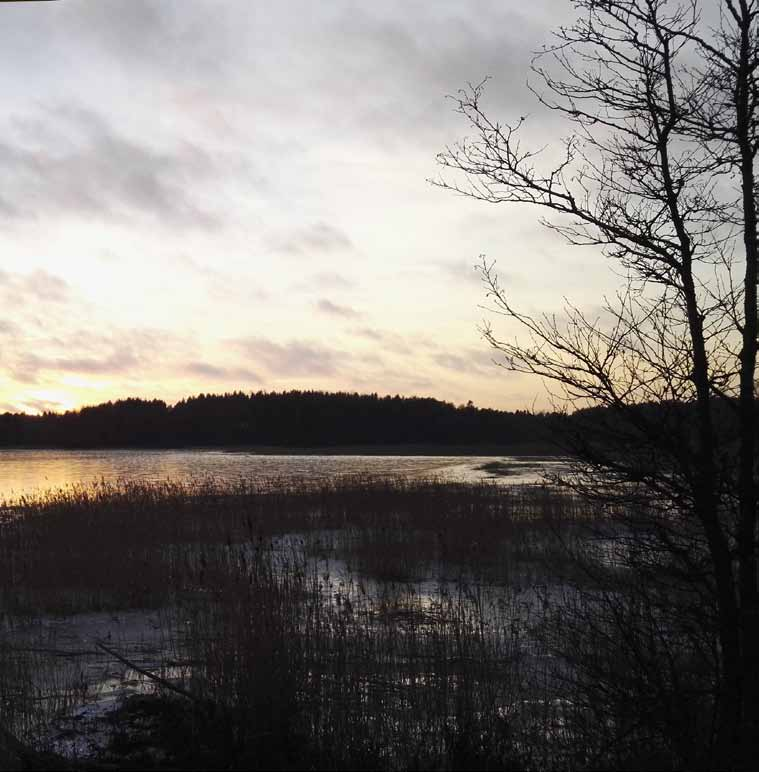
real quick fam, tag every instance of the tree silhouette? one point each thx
(285, 419)
(659, 174)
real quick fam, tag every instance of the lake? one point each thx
(32, 471)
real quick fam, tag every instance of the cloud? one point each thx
(296, 357)
(333, 309)
(459, 270)
(388, 341)
(45, 286)
(54, 349)
(119, 362)
(207, 370)
(318, 238)
(418, 49)
(371, 334)
(27, 367)
(412, 54)
(221, 284)
(182, 39)
(75, 163)
(325, 280)
(467, 361)
(428, 50)
(37, 286)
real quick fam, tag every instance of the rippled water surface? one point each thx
(29, 471)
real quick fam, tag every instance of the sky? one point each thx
(218, 195)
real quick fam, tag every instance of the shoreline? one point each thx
(534, 450)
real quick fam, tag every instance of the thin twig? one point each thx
(166, 684)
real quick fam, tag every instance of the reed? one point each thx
(131, 544)
(354, 623)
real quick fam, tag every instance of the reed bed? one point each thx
(359, 623)
(132, 544)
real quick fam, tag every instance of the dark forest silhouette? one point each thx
(290, 419)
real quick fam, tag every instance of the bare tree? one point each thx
(659, 174)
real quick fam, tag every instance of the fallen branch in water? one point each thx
(163, 682)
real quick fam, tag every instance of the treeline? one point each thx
(294, 419)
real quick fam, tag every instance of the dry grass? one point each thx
(363, 623)
(135, 544)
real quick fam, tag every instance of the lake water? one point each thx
(32, 471)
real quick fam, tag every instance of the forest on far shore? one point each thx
(287, 419)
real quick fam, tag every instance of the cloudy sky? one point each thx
(207, 195)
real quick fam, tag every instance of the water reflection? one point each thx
(32, 471)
